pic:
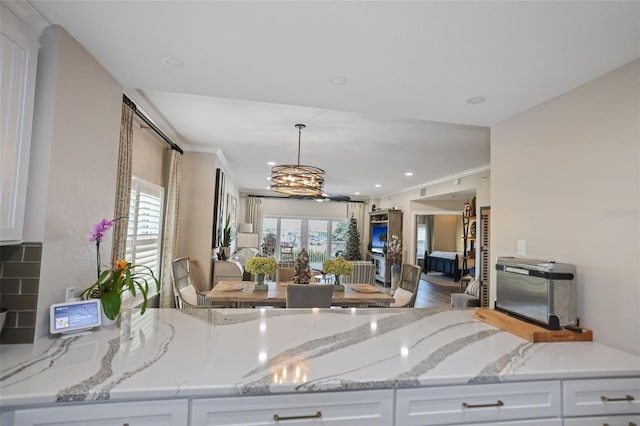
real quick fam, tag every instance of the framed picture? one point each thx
(218, 210)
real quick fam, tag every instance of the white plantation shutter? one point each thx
(422, 240)
(144, 232)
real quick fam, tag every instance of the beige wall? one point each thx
(196, 210)
(444, 234)
(304, 208)
(75, 139)
(566, 178)
(150, 154)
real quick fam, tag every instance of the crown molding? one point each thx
(470, 172)
(27, 14)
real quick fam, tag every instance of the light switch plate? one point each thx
(522, 247)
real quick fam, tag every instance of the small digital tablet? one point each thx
(72, 318)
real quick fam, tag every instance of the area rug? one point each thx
(440, 279)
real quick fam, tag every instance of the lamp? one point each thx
(247, 240)
(298, 180)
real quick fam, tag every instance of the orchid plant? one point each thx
(123, 276)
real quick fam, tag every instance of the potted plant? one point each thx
(226, 237)
(337, 267)
(394, 251)
(114, 281)
(123, 276)
(261, 266)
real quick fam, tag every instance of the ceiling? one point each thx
(381, 85)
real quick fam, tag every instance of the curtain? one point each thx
(170, 232)
(123, 184)
(429, 225)
(253, 214)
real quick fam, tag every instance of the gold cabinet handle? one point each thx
(317, 415)
(496, 404)
(625, 398)
(629, 424)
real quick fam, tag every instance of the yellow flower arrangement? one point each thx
(261, 265)
(337, 266)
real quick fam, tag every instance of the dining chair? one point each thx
(405, 294)
(285, 274)
(309, 296)
(286, 251)
(185, 290)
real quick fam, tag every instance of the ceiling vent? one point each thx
(423, 192)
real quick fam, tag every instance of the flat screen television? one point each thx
(378, 238)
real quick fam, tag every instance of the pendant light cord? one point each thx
(300, 127)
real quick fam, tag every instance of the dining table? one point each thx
(241, 294)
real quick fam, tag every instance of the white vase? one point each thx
(395, 276)
(107, 323)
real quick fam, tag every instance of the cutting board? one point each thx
(528, 331)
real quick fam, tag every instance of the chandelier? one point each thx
(300, 180)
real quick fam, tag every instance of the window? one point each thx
(144, 232)
(422, 240)
(322, 238)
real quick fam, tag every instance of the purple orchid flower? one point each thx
(97, 233)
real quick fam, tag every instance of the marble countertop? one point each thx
(209, 352)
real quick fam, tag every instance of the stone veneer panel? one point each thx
(19, 282)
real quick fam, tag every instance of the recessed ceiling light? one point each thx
(338, 80)
(409, 174)
(268, 177)
(476, 100)
(271, 163)
(377, 185)
(172, 61)
(356, 193)
(267, 187)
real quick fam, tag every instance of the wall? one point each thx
(73, 165)
(304, 208)
(196, 210)
(565, 178)
(150, 154)
(445, 231)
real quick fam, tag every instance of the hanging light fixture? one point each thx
(300, 180)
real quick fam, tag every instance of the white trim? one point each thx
(470, 172)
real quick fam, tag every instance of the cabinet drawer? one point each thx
(540, 422)
(601, 396)
(142, 413)
(477, 403)
(624, 420)
(365, 408)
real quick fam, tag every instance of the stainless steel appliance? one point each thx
(539, 291)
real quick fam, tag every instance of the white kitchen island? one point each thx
(314, 367)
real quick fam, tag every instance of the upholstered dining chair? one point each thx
(285, 274)
(405, 294)
(309, 296)
(186, 292)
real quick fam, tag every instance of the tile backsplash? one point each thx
(19, 282)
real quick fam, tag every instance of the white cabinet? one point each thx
(365, 408)
(626, 420)
(601, 396)
(469, 404)
(18, 61)
(144, 413)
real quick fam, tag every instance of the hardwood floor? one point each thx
(432, 295)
